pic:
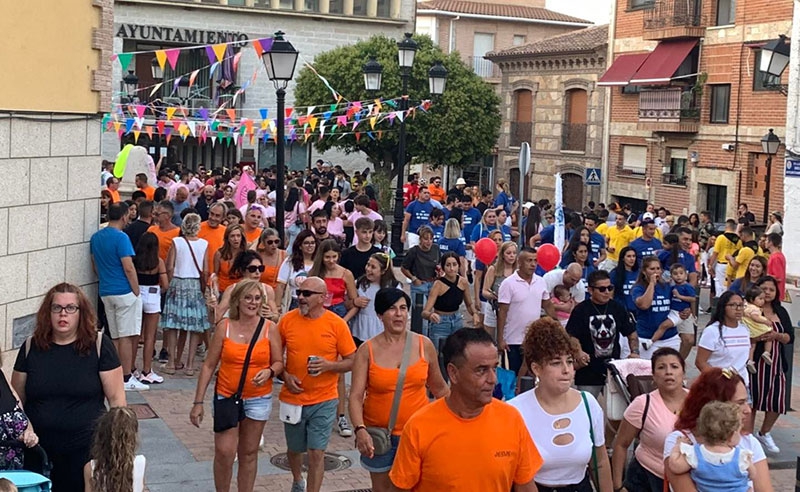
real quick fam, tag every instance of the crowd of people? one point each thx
(185, 259)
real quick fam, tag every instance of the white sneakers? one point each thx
(151, 378)
(133, 384)
(768, 442)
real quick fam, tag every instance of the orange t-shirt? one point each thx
(215, 238)
(232, 362)
(270, 275)
(440, 451)
(328, 337)
(164, 239)
(149, 192)
(380, 391)
(253, 235)
(438, 194)
(114, 195)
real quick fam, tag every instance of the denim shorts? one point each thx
(381, 463)
(314, 429)
(447, 325)
(258, 408)
(339, 309)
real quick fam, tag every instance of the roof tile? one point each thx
(499, 10)
(587, 39)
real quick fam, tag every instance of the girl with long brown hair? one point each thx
(234, 243)
(116, 467)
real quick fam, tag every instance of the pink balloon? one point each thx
(486, 250)
(547, 256)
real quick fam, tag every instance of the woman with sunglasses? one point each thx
(294, 270)
(248, 266)
(725, 341)
(268, 246)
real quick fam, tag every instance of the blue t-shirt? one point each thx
(481, 231)
(108, 247)
(548, 234)
(684, 258)
(470, 218)
(598, 243)
(438, 232)
(481, 267)
(684, 290)
(623, 295)
(645, 248)
(420, 214)
(504, 200)
(506, 232)
(648, 320)
(455, 245)
(738, 288)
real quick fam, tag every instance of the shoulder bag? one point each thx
(197, 265)
(382, 437)
(228, 412)
(593, 466)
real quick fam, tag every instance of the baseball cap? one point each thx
(647, 215)
(527, 205)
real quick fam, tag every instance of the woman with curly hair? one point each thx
(567, 425)
(63, 405)
(117, 467)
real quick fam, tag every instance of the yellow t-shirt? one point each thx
(637, 233)
(618, 239)
(743, 258)
(724, 247)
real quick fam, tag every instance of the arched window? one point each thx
(522, 125)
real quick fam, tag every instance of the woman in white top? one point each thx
(378, 275)
(294, 269)
(725, 341)
(566, 425)
(185, 305)
(117, 467)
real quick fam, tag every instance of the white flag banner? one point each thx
(559, 239)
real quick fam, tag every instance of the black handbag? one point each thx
(228, 412)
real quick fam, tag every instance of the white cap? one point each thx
(461, 181)
(527, 205)
(647, 215)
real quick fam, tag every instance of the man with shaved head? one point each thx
(571, 278)
(314, 340)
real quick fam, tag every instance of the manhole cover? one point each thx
(333, 462)
(143, 411)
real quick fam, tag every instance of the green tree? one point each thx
(460, 128)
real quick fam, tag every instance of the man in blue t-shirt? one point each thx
(598, 253)
(417, 215)
(470, 216)
(112, 260)
(647, 245)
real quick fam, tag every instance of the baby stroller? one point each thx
(627, 379)
(35, 475)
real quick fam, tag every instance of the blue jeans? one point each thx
(447, 325)
(339, 309)
(424, 289)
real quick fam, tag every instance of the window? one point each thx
(336, 7)
(634, 159)
(519, 40)
(287, 4)
(359, 7)
(384, 8)
(641, 4)
(726, 12)
(631, 89)
(720, 103)
(677, 167)
(761, 80)
(311, 5)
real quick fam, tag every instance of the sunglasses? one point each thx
(272, 242)
(604, 288)
(254, 269)
(306, 293)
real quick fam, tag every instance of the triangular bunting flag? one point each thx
(149, 131)
(327, 115)
(171, 112)
(192, 125)
(124, 60)
(372, 122)
(139, 122)
(136, 134)
(231, 114)
(310, 110)
(266, 44)
(192, 77)
(400, 115)
(213, 140)
(172, 57)
(288, 112)
(358, 136)
(140, 110)
(161, 57)
(175, 84)
(160, 126)
(264, 113)
(156, 88)
(129, 125)
(236, 59)
(203, 113)
(212, 69)
(117, 126)
(219, 50)
(313, 122)
(257, 47)
(212, 57)
(341, 120)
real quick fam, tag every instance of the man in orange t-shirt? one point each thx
(141, 182)
(164, 229)
(112, 185)
(213, 231)
(312, 384)
(437, 192)
(467, 440)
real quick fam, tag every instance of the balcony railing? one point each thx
(631, 172)
(674, 179)
(671, 109)
(573, 136)
(484, 68)
(674, 18)
(520, 132)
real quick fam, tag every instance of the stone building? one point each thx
(689, 105)
(550, 100)
(312, 26)
(475, 28)
(49, 152)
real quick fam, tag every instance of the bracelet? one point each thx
(359, 427)
(198, 403)
(636, 351)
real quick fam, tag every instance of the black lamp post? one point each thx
(131, 83)
(437, 76)
(280, 62)
(774, 59)
(183, 89)
(769, 144)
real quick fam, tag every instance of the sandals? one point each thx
(172, 370)
(189, 372)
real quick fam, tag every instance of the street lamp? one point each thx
(774, 59)
(280, 62)
(437, 76)
(131, 82)
(155, 70)
(183, 89)
(769, 145)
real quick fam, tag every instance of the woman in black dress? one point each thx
(63, 375)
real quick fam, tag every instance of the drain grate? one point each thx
(143, 411)
(332, 462)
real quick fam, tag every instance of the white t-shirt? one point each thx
(139, 463)
(562, 464)
(293, 279)
(185, 266)
(730, 350)
(688, 451)
(555, 278)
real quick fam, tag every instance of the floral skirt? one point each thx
(12, 425)
(185, 307)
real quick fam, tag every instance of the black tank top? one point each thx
(452, 298)
(147, 278)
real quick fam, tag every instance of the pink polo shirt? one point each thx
(525, 305)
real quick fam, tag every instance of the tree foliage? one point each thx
(460, 128)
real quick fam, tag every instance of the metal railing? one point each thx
(631, 172)
(483, 67)
(573, 136)
(673, 13)
(668, 105)
(520, 132)
(674, 179)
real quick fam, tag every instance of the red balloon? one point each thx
(547, 256)
(486, 250)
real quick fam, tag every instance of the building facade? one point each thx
(50, 153)
(474, 29)
(550, 100)
(312, 26)
(689, 105)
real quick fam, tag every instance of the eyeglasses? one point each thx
(603, 288)
(272, 242)
(252, 298)
(254, 268)
(69, 308)
(735, 305)
(306, 293)
(309, 243)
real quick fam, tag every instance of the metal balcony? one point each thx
(674, 179)
(668, 110)
(484, 68)
(674, 19)
(573, 137)
(520, 132)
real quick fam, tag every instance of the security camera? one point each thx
(729, 147)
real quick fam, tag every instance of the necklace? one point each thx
(605, 311)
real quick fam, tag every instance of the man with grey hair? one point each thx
(571, 278)
(314, 340)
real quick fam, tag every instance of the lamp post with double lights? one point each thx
(769, 144)
(437, 77)
(280, 62)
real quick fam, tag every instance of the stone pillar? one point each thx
(324, 6)
(299, 5)
(372, 8)
(394, 9)
(347, 7)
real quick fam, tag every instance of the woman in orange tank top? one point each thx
(233, 244)
(229, 349)
(271, 256)
(375, 372)
(246, 265)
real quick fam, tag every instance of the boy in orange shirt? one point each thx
(164, 229)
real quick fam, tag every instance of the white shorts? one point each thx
(648, 347)
(489, 316)
(151, 298)
(124, 315)
(683, 325)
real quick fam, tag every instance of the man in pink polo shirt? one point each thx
(521, 299)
